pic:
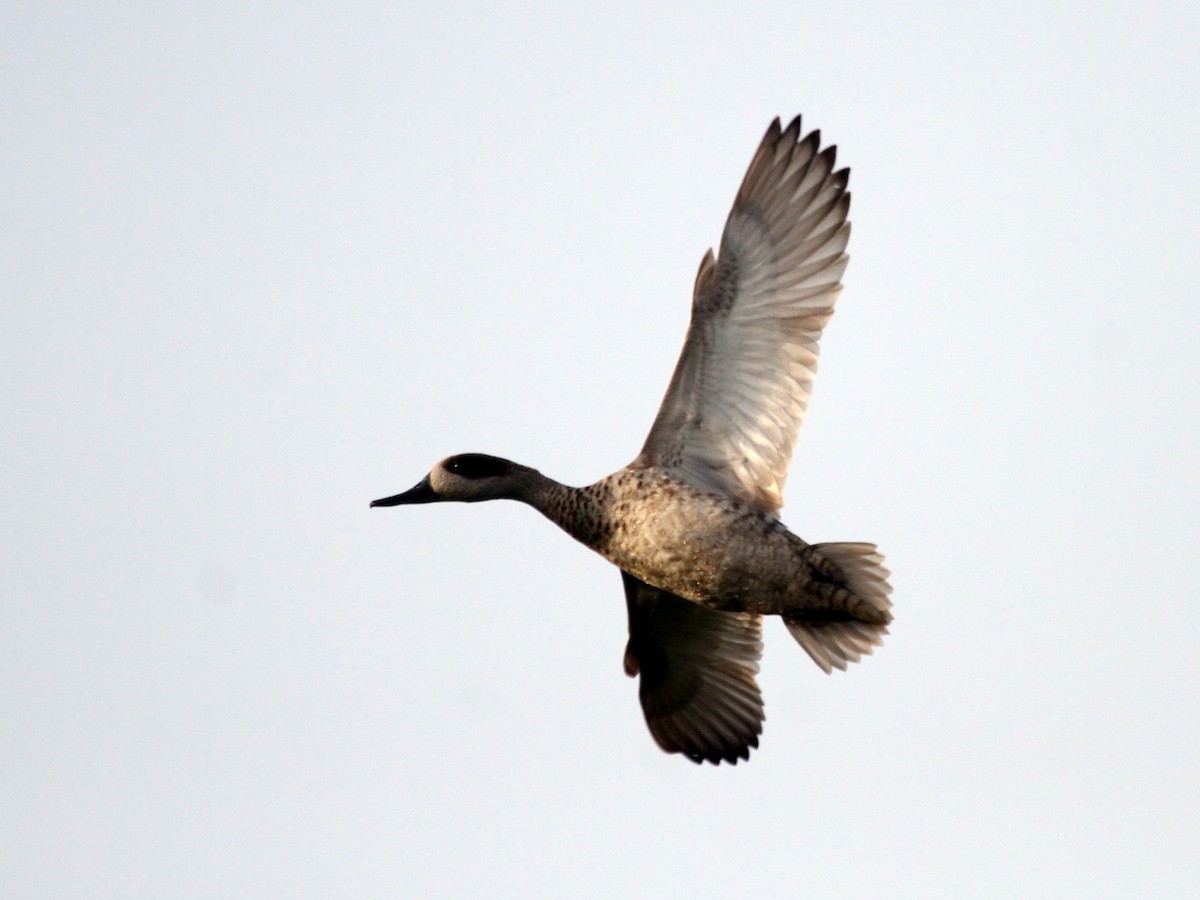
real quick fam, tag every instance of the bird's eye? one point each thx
(476, 465)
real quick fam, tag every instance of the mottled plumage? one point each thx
(692, 522)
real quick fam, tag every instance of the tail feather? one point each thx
(833, 643)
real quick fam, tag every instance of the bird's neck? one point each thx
(580, 512)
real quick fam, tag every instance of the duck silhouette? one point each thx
(692, 521)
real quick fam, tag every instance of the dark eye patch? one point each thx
(477, 465)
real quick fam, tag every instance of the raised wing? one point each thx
(697, 670)
(740, 390)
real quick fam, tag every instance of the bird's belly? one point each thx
(698, 556)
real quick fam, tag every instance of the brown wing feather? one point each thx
(740, 390)
(697, 669)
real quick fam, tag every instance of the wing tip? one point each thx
(704, 276)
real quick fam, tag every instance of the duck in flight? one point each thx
(692, 521)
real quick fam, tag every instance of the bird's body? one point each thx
(712, 550)
(692, 521)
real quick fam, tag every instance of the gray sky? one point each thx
(261, 267)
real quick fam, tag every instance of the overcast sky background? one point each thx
(260, 266)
